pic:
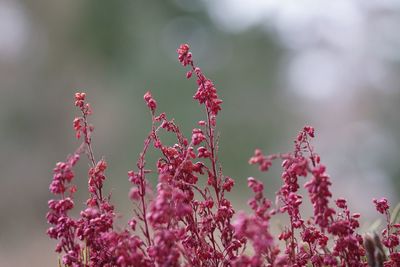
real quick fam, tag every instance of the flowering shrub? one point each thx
(191, 223)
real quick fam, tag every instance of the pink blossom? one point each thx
(190, 219)
(381, 205)
(151, 103)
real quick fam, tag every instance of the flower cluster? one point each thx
(390, 235)
(306, 239)
(63, 227)
(189, 220)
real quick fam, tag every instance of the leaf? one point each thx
(374, 226)
(395, 214)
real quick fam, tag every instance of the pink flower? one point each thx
(184, 56)
(260, 159)
(151, 103)
(80, 99)
(255, 185)
(381, 205)
(228, 184)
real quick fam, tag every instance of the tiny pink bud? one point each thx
(147, 96)
(134, 194)
(151, 103)
(309, 130)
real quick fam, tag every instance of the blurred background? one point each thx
(278, 65)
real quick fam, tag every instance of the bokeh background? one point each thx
(278, 65)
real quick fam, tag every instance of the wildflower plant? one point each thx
(190, 220)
